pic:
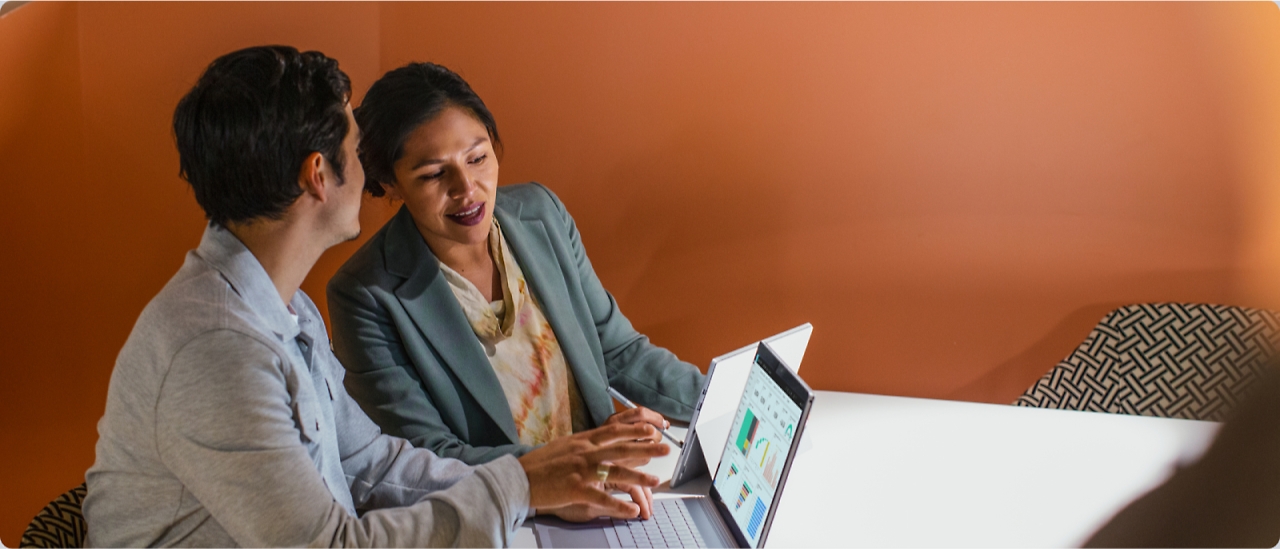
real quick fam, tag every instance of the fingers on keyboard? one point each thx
(669, 527)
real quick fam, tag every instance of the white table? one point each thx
(906, 472)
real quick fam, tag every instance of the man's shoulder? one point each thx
(197, 301)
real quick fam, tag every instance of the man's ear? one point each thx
(312, 176)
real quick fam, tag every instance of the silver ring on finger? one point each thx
(602, 471)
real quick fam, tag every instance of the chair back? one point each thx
(59, 524)
(1188, 361)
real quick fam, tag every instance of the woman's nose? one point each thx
(463, 185)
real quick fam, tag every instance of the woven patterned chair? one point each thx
(59, 524)
(1178, 360)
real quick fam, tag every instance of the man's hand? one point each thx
(641, 415)
(582, 512)
(564, 471)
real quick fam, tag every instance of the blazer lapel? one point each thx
(533, 249)
(427, 299)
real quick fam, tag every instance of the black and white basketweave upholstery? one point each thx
(1178, 360)
(59, 524)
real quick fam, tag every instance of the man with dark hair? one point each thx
(227, 423)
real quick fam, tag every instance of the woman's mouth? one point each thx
(469, 217)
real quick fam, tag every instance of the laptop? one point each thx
(719, 399)
(743, 497)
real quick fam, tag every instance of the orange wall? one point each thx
(95, 217)
(952, 193)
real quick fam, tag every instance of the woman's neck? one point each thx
(472, 261)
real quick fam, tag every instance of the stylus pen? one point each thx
(618, 397)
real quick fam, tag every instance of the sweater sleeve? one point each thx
(227, 429)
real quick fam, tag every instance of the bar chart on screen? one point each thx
(771, 470)
(757, 517)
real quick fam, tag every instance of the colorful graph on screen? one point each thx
(771, 470)
(747, 435)
(757, 516)
(766, 421)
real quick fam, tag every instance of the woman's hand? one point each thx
(641, 415)
(565, 471)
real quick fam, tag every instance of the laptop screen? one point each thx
(759, 440)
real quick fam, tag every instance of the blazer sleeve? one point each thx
(383, 380)
(649, 375)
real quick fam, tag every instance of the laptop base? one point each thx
(695, 514)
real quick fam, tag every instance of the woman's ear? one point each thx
(393, 192)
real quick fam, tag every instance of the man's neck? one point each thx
(287, 251)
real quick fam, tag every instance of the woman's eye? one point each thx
(479, 159)
(433, 175)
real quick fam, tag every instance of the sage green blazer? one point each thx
(418, 370)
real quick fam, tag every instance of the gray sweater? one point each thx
(227, 424)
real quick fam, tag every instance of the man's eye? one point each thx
(479, 159)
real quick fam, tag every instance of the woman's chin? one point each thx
(474, 235)
(449, 234)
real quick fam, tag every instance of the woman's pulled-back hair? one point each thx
(398, 103)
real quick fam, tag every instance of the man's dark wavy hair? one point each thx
(398, 103)
(250, 122)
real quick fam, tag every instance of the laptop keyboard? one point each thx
(669, 527)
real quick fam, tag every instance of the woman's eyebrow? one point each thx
(478, 142)
(429, 161)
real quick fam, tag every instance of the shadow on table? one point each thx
(1229, 498)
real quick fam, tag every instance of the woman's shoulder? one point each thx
(534, 199)
(368, 264)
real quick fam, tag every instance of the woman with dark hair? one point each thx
(472, 323)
